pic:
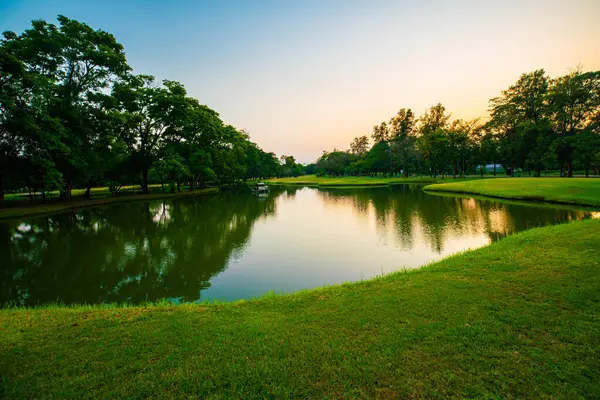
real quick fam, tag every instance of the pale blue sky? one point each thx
(306, 76)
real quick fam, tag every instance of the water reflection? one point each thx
(238, 246)
(132, 252)
(416, 215)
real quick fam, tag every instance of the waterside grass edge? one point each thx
(493, 322)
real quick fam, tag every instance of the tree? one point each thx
(402, 138)
(433, 140)
(378, 158)
(515, 116)
(380, 133)
(28, 134)
(360, 145)
(80, 63)
(574, 102)
(488, 150)
(150, 114)
(586, 148)
(72, 114)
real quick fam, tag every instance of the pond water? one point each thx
(234, 246)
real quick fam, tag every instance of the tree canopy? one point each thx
(72, 113)
(539, 123)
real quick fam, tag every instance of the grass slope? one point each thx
(560, 190)
(353, 181)
(519, 318)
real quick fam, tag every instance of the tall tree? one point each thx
(433, 139)
(516, 114)
(81, 63)
(380, 133)
(151, 114)
(402, 138)
(360, 145)
(574, 103)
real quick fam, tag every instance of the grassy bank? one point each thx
(518, 318)
(355, 181)
(580, 191)
(23, 209)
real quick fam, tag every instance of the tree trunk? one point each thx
(587, 173)
(1, 190)
(88, 190)
(570, 168)
(454, 170)
(68, 190)
(145, 180)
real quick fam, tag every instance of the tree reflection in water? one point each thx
(410, 211)
(173, 249)
(126, 253)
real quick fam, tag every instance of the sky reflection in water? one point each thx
(238, 246)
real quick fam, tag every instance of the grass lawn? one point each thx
(16, 207)
(100, 191)
(519, 318)
(584, 191)
(354, 181)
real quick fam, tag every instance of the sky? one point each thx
(303, 76)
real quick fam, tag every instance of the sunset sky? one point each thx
(306, 76)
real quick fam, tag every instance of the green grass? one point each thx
(582, 191)
(519, 318)
(100, 191)
(355, 181)
(22, 209)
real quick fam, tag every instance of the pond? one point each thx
(234, 246)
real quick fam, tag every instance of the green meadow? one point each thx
(581, 191)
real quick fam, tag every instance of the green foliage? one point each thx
(536, 124)
(72, 114)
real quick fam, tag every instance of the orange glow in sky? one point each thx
(306, 76)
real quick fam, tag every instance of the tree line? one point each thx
(73, 114)
(537, 124)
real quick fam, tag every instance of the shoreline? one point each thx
(582, 192)
(38, 210)
(472, 304)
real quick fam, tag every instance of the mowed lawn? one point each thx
(517, 319)
(584, 191)
(353, 181)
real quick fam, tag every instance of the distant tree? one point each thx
(433, 138)
(380, 133)
(574, 102)
(403, 139)
(515, 116)
(586, 148)
(378, 158)
(360, 145)
(433, 120)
